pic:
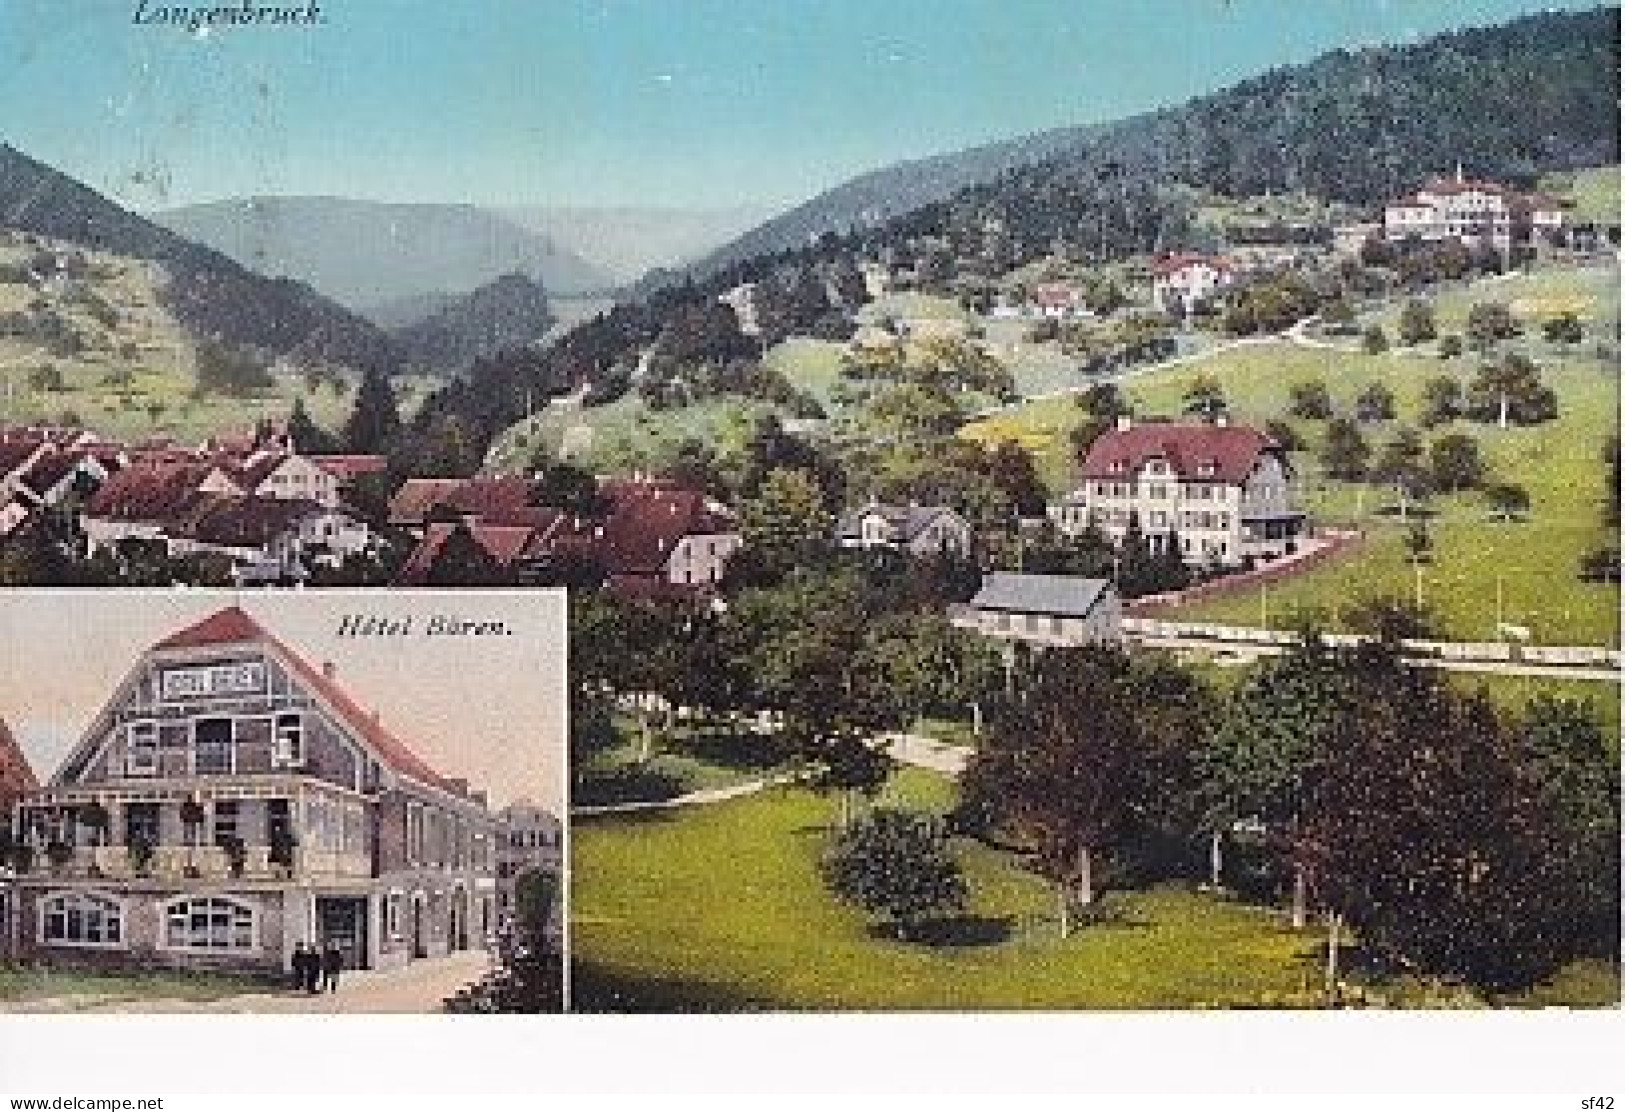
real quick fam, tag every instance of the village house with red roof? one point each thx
(1222, 492)
(1180, 282)
(233, 799)
(654, 538)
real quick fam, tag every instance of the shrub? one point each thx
(898, 864)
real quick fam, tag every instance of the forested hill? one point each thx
(1537, 94)
(208, 293)
(511, 311)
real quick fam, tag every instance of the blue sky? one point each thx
(687, 103)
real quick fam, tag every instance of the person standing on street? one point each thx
(332, 960)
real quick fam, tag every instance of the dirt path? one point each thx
(418, 988)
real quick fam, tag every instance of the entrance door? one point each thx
(343, 919)
(459, 919)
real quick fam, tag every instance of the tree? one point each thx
(1311, 401)
(1488, 323)
(1450, 346)
(564, 486)
(1273, 734)
(1429, 841)
(785, 524)
(1375, 403)
(1416, 323)
(1507, 500)
(1510, 392)
(1102, 404)
(1611, 473)
(1455, 463)
(1390, 619)
(1564, 329)
(1204, 398)
(1441, 401)
(1079, 760)
(46, 379)
(306, 436)
(1402, 464)
(1013, 470)
(897, 864)
(1346, 455)
(1374, 341)
(374, 424)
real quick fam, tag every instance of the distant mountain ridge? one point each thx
(209, 293)
(1536, 94)
(510, 312)
(369, 254)
(629, 241)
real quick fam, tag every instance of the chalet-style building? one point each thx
(1471, 212)
(1045, 610)
(1181, 282)
(231, 800)
(919, 530)
(1224, 491)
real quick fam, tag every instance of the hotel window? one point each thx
(141, 749)
(211, 745)
(81, 919)
(289, 746)
(225, 819)
(208, 923)
(392, 914)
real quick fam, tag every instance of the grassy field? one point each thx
(722, 908)
(626, 434)
(761, 932)
(20, 985)
(134, 379)
(689, 758)
(1595, 192)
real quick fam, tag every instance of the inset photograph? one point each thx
(282, 801)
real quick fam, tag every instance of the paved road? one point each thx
(418, 988)
(689, 799)
(928, 753)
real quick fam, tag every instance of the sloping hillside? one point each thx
(1534, 95)
(207, 292)
(509, 312)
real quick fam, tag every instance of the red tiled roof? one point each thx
(249, 522)
(15, 453)
(1448, 186)
(1230, 451)
(147, 492)
(51, 470)
(416, 498)
(647, 521)
(504, 543)
(348, 468)
(16, 777)
(1172, 264)
(490, 495)
(233, 625)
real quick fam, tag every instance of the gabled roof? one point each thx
(416, 498)
(17, 453)
(51, 470)
(1064, 596)
(907, 522)
(647, 521)
(348, 468)
(1173, 264)
(1214, 453)
(248, 522)
(156, 493)
(233, 626)
(504, 544)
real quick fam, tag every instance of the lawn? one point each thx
(625, 434)
(691, 757)
(744, 922)
(1595, 192)
(23, 984)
